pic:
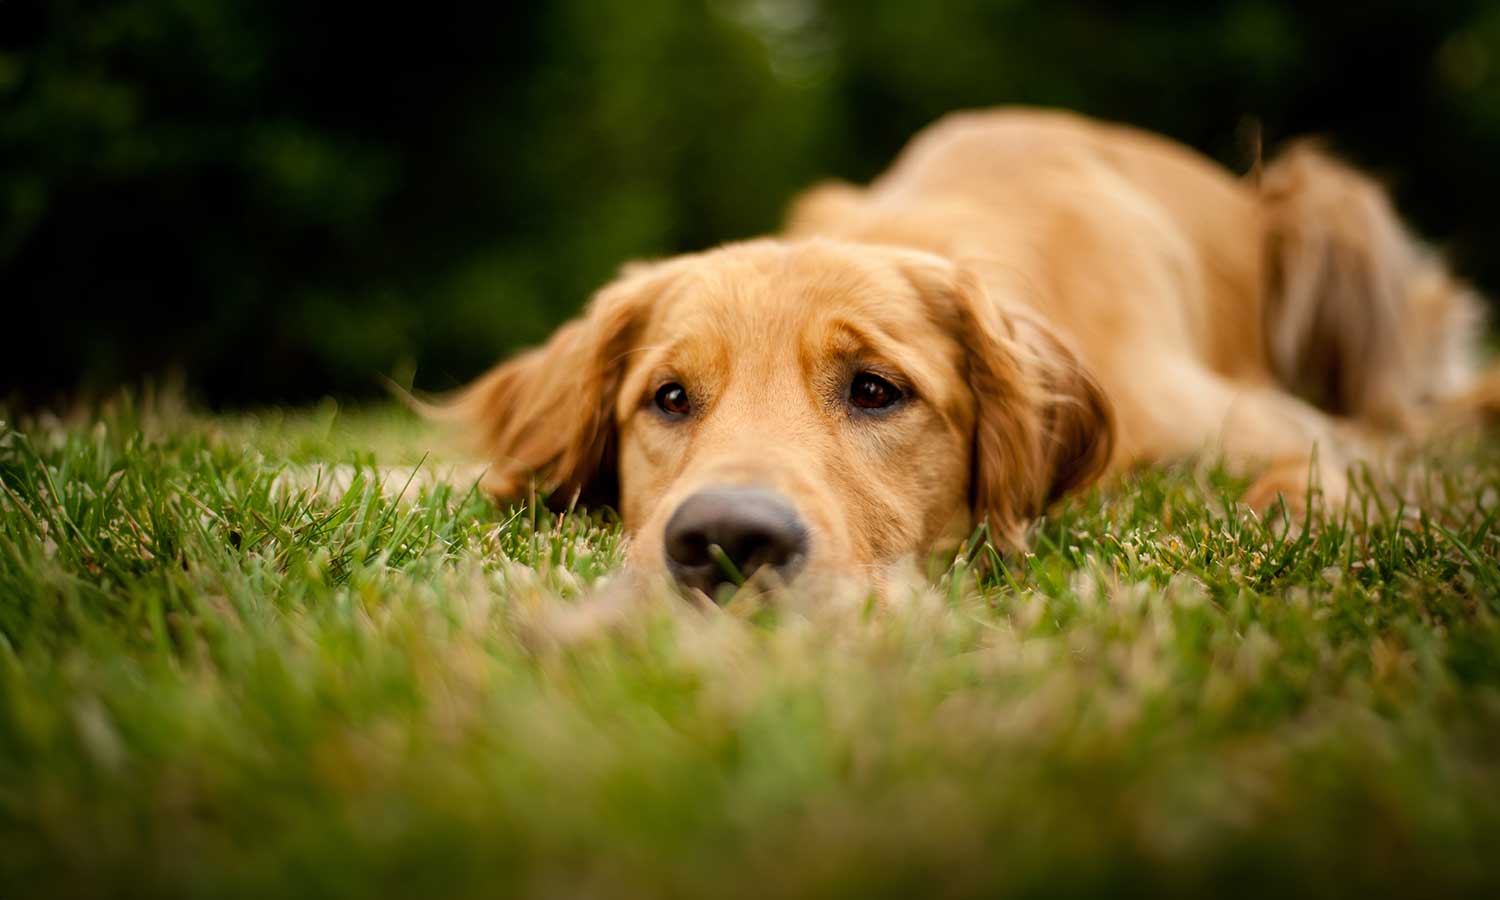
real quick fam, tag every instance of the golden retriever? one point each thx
(1025, 301)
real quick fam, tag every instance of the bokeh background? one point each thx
(279, 200)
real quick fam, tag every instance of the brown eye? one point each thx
(870, 391)
(672, 399)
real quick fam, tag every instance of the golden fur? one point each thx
(1058, 296)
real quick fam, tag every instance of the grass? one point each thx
(233, 664)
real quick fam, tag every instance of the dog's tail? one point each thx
(1361, 318)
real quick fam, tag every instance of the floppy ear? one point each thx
(548, 414)
(1042, 424)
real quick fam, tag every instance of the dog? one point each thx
(1024, 302)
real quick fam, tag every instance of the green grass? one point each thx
(224, 675)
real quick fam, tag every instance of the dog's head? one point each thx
(794, 407)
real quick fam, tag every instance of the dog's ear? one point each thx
(548, 414)
(1042, 424)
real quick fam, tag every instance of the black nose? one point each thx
(722, 536)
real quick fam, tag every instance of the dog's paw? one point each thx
(1296, 490)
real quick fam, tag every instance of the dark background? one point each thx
(280, 200)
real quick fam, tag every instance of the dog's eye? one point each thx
(672, 399)
(870, 391)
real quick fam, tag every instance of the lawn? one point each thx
(234, 663)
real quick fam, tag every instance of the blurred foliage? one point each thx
(280, 199)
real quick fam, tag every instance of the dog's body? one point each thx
(1203, 304)
(1045, 297)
